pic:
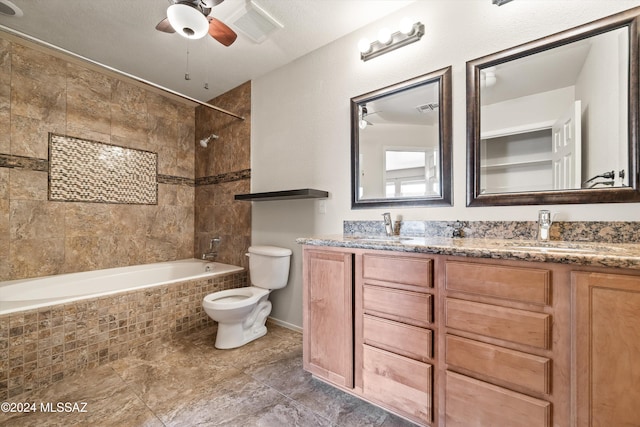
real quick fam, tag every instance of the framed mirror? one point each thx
(401, 144)
(556, 120)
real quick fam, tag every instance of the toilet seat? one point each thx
(234, 298)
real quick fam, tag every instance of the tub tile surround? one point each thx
(41, 93)
(222, 170)
(173, 382)
(43, 346)
(81, 170)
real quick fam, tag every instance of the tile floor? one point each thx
(188, 382)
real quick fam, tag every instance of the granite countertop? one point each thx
(621, 255)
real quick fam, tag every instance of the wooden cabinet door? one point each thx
(328, 315)
(607, 349)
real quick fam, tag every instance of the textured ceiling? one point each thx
(121, 34)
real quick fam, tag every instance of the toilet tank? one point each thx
(269, 266)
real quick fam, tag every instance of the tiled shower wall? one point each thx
(223, 170)
(42, 93)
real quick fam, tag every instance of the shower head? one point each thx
(205, 141)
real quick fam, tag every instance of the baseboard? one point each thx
(284, 324)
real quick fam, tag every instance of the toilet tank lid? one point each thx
(269, 251)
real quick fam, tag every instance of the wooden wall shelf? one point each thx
(304, 193)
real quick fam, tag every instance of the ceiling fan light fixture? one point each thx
(7, 8)
(188, 21)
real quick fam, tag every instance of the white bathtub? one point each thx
(27, 294)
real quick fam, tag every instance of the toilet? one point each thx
(242, 313)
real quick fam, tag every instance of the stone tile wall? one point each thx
(40, 347)
(221, 171)
(41, 93)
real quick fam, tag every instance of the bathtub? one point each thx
(27, 294)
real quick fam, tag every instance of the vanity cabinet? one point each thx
(394, 335)
(607, 349)
(461, 341)
(368, 326)
(498, 344)
(328, 315)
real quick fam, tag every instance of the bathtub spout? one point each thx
(209, 256)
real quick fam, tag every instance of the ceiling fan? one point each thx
(190, 18)
(364, 113)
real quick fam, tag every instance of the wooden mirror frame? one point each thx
(443, 77)
(609, 195)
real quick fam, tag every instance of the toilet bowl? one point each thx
(241, 313)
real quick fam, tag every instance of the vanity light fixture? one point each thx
(388, 41)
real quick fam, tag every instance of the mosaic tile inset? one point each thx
(88, 171)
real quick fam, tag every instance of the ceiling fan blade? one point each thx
(221, 32)
(165, 26)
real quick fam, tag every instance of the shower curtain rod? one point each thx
(115, 70)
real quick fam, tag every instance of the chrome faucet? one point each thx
(388, 224)
(213, 250)
(544, 224)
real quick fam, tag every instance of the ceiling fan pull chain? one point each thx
(206, 66)
(186, 74)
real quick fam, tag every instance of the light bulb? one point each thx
(364, 45)
(362, 124)
(384, 35)
(406, 26)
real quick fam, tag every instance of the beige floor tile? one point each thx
(188, 382)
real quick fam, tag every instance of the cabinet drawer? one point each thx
(398, 382)
(414, 308)
(469, 402)
(406, 340)
(529, 285)
(394, 269)
(526, 370)
(510, 324)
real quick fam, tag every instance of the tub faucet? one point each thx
(544, 224)
(213, 250)
(388, 225)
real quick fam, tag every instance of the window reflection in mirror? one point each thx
(412, 172)
(401, 144)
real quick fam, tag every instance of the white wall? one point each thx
(602, 103)
(301, 130)
(543, 107)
